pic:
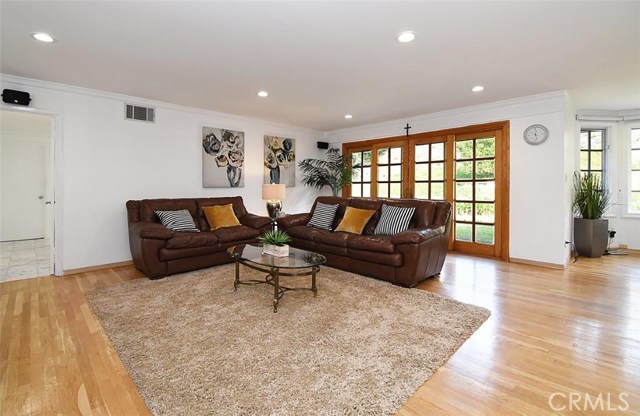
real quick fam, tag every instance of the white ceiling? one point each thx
(321, 60)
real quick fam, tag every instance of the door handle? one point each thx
(47, 202)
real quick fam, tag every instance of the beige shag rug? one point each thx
(193, 346)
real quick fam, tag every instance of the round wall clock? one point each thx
(536, 134)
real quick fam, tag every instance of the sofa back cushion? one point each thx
(236, 201)
(148, 208)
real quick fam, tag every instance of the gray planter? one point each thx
(590, 236)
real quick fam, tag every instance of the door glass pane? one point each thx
(464, 191)
(366, 174)
(355, 191)
(485, 191)
(464, 170)
(463, 232)
(366, 158)
(422, 172)
(464, 149)
(396, 155)
(464, 211)
(356, 158)
(383, 173)
(366, 190)
(383, 156)
(396, 173)
(437, 151)
(584, 140)
(356, 175)
(485, 169)
(422, 153)
(437, 190)
(395, 190)
(484, 234)
(421, 190)
(485, 213)
(486, 147)
(596, 160)
(596, 140)
(383, 190)
(437, 171)
(584, 160)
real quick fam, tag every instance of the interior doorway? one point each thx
(26, 195)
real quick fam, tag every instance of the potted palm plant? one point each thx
(335, 171)
(274, 242)
(590, 202)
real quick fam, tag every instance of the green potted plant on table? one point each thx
(274, 242)
(590, 202)
(335, 171)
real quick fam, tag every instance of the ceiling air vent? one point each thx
(136, 112)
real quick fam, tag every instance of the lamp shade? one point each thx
(273, 191)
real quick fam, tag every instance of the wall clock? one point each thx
(536, 134)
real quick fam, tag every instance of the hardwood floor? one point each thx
(563, 334)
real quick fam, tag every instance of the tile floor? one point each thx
(24, 259)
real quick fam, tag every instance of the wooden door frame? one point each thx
(499, 128)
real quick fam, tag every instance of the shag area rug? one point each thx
(193, 346)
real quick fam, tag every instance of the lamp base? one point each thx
(273, 208)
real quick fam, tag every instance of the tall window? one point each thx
(429, 171)
(361, 182)
(634, 203)
(390, 172)
(592, 155)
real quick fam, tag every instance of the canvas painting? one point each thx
(279, 160)
(222, 158)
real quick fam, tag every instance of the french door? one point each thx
(468, 167)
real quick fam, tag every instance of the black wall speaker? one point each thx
(323, 145)
(16, 97)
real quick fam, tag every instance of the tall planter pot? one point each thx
(590, 236)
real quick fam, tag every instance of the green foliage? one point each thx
(335, 171)
(590, 201)
(274, 238)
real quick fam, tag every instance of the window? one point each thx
(429, 171)
(389, 172)
(634, 177)
(592, 155)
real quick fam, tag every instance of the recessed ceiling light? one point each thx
(407, 36)
(263, 94)
(477, 88)
(43, 37)
(348, 116)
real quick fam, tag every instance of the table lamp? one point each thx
(273, 193)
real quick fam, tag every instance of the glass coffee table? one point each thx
(297, 263)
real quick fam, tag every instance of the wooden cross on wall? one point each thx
(407, 129)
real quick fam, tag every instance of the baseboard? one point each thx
(537, 263)
(98, 267)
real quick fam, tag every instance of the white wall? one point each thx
(108, 160)
(538, 199)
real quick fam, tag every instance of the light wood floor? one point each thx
(551, 331)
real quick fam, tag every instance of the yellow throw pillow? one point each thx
(219, 216)
(355, 219)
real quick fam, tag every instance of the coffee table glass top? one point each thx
(297, 259)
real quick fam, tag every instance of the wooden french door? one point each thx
(468, 167)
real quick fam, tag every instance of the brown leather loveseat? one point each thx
(158, 252)
(405, 258)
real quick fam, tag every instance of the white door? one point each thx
(24, 190)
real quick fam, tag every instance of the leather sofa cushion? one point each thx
(188, 240)
(168, 254)
(389, 259)
(237, 233)
(377, 243)
(338, 239)
(149, 206)
(302, 232)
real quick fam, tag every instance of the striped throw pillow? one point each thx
(323, 216)
(177, 221)
(394, 220)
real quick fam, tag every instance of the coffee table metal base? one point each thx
(273, 278)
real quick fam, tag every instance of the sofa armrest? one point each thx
(255, 221)
(417, 235)
(150, 230)
(293, 220)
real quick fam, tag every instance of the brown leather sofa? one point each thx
(158, 252)
(404, 259)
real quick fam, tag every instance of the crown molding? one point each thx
(53, 86)
(529, 99)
